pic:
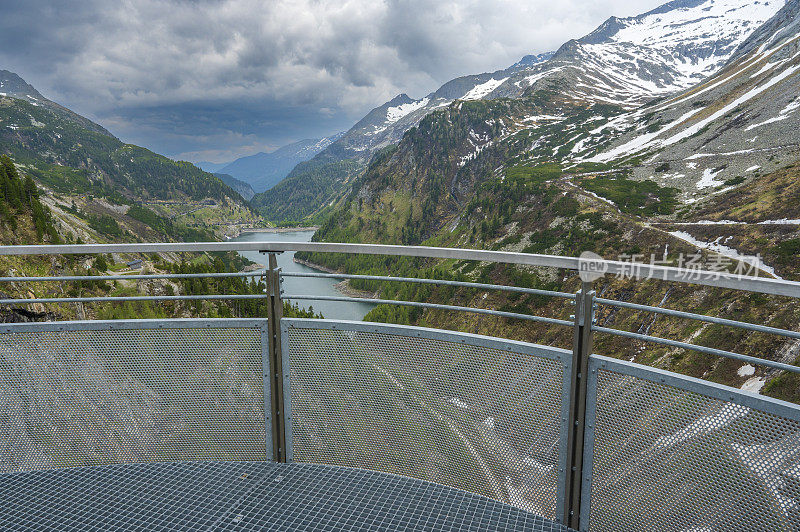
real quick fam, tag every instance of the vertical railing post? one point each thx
(582, 347)
(274, 316)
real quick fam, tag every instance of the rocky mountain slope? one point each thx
(15, 87)
(724, 131)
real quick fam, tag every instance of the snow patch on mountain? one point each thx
(717, 247)
(783, 115)
(393, 114)
(708, 179)
(483, 89)
(542, 118)
(530, 80)
(727, 414)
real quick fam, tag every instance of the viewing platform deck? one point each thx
(247, 496)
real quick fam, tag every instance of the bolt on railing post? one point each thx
(582, 348)
(274, 316)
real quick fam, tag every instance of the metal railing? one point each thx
(576, 437)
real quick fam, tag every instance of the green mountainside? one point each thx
(65, 156)
(15, 87)
(307, 189)
(91, 180)
(239, 186)
(23, 218)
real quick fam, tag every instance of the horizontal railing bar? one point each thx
(444, 282)
(700, 317)
(437, 306)
(129, 298)
(700, 348)
(633, 270)
(123, 277)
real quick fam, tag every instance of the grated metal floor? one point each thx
(245, 496)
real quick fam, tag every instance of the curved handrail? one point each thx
(611, 267)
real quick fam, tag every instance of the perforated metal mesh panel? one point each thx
(87, 397)
(478, 418)
(665, 458)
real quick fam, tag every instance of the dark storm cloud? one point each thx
(215, 79)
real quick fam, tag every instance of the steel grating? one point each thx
(87, 396)
(674, 453)
(444, 407)
(246, 496)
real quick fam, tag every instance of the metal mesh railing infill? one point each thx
(91, 393)
(668, 452)
(178, 412)
(479, 414)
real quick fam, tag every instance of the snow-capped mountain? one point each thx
(629, 61)
(741, 122)
(387, 123)
(626, 62)
(16, 87)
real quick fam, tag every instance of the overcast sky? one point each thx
(217, 79)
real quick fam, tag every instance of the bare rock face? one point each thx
(732, 126)
(25, 315)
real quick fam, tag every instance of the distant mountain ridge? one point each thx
(314, 183)
(264, 170)
(244, 189)
(207, 166)
(387, 123)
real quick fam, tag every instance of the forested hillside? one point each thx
(23, 218)
(65, 156)
(306, 189)
(240, 187)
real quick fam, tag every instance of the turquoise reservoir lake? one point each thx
(304, 285)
